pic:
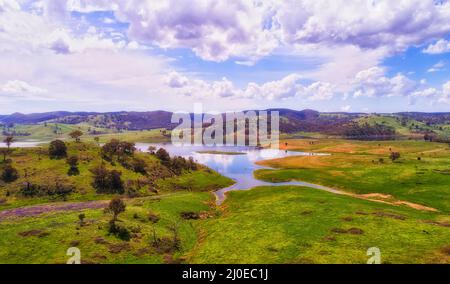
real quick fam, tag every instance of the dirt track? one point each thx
(48, 208)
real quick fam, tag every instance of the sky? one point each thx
(356, 56)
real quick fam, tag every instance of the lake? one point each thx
(240, 168)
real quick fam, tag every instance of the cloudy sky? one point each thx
(340, 55)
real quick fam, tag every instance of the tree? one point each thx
(107, 181)
(100, 178)
(8, 141)
(76, 134)
(9, 174)
(97, 140)
(117, 148)
(163, 155)
(395, 156)
(151, 149)
(57, 149)
(115, 182)
(4, 152)
(72, 161)
(116, 206)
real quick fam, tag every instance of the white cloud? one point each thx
(218, 30)
(176, 80)
(441, 46)
(441, 95)
(17, 87)
(373, 83)
(287, 87)
(437, 67)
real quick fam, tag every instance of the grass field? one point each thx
(283, 224)
(45, 239)
(304, 225)
(263, 225)
(421, 175)
(51, 131)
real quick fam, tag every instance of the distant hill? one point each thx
(291, 121)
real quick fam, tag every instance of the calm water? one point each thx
(237, 167)
(24, 144)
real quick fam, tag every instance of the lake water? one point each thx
(240, 168)
(24, 144)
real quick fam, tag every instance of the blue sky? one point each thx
(356, 56)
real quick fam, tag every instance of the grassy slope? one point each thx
(355, 166)
(64, 231)
(43, 170)
(408, 128)
(294, 225)
(40, 132)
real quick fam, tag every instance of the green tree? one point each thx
(72, 161)
(8, 141)
(57, 149)
(116, 206)
(163, 155)
(395, 156)
(9, 174)
(76, 134)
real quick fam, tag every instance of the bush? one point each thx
(395, 156)
(120, 232)
(72, 161)
(107, 181)
(189, 215)
(57, 149)
(163, 155)
(139, 166)
(9, 174)
(59, 189)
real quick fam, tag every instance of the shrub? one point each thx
(188, 215)
(72, 161)
(120, 232)
(9, 174)
(139, 166)
(395, 156)
(57, 149)
(107, 181)
(163, 155)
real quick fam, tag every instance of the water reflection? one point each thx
(240, 168)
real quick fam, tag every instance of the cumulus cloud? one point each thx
(30, 31)
(287, 87)
(17, 87)
(373, 83)
(441, 46)
(441, 95)
(218, 30)
(368, 24)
